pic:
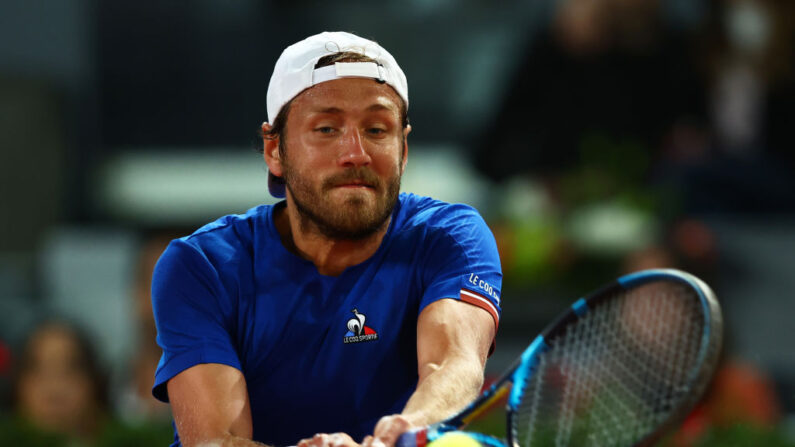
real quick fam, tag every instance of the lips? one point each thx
(355, 178)
(354, 184)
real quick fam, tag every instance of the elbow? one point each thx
(426, 369)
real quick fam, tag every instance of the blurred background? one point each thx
(596, 137)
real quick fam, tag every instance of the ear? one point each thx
(405, 157)
(270, 151)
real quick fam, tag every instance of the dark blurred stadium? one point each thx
(596, 137)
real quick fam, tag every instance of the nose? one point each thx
(353, 152)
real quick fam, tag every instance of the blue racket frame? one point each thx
(513, 380)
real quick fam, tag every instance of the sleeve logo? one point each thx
(484, 286)
(357, 331)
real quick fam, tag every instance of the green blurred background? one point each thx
(596, 137)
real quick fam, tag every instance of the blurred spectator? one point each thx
(604, 73)
(688, 244)
(59, 386)
(749, 48)
(740, 159)
(60, 397)
(614, 94)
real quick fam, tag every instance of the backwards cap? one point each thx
(295, 72)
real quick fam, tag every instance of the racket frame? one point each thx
(524, 366)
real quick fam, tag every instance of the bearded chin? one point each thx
(353, 221)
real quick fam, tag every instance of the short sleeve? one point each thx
(462, 262)
(192, 314)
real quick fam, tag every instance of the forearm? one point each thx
(453, 340)
(226, 441)
(234, 441)
(444, 389)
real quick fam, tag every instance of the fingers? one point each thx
(388, 429)
(328, 440)
(386, 433)
(370, 441)
(316, 441)
(341, 440)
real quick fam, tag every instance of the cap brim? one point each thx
(276, 186)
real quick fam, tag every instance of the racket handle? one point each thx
(413, 438)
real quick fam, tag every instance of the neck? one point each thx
(330, 256)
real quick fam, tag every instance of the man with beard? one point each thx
(347, 309)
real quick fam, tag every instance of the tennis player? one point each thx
(347, 309)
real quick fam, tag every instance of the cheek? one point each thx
(31, 393)
(301, 156)
(388, 163)
(83, 395)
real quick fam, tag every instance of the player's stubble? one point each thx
(357, 218)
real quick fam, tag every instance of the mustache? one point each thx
(360, 174)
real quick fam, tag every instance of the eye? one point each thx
(324, 129)
(376, 131)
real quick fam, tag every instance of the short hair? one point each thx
(279, 125)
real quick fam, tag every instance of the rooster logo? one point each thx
(357, 331)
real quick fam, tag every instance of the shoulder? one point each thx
(213, 260)
(432, 213)
(436, 218)
(230, 232)
(458, 253)
(220, 245)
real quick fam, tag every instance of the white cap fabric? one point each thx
(295, 72)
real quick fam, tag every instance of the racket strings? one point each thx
(615, 374)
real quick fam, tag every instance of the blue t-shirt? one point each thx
(319, 353)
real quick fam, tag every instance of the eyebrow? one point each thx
(378, 107)
(328, 110)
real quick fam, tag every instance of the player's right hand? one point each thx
(387, 431)
(328, 440)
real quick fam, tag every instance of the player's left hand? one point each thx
(387, 431)
(328, 440)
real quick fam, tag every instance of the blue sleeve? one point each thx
(462, 262)
(192, 313)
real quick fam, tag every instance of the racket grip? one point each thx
(413, 438)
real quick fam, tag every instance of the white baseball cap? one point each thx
(295, 72)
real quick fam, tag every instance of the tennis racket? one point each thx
(620, 367)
